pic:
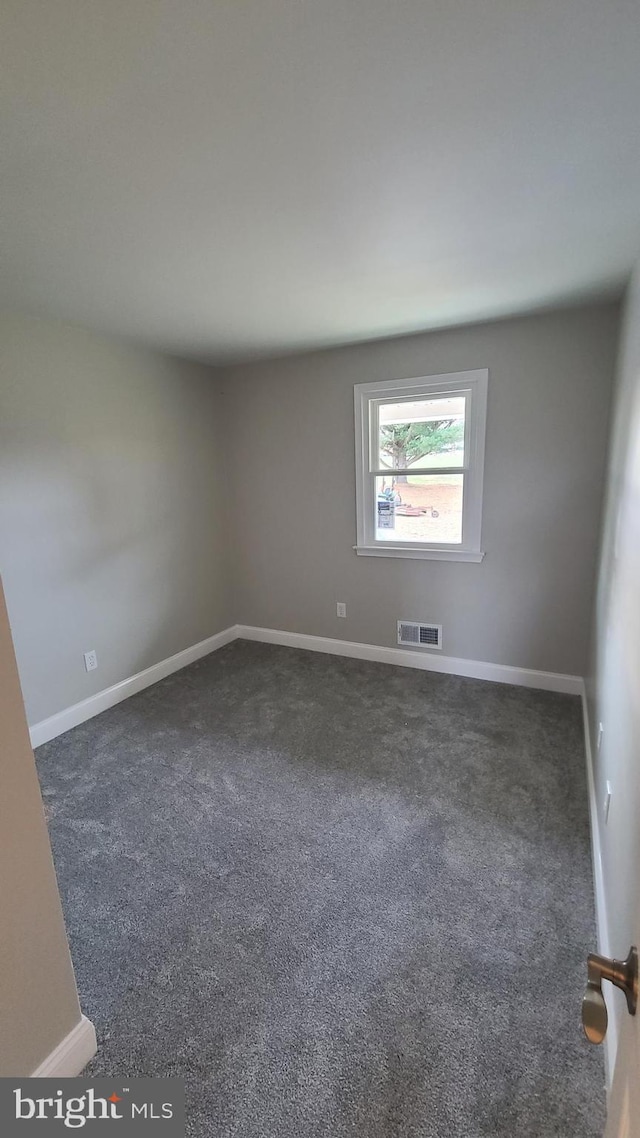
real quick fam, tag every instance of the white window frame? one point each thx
(368, 397)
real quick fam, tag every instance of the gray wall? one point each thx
(112, 525)
(614, 687)
(119, 532)
(291, 461)
(37, 988)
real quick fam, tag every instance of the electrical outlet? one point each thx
(607, 803)
(341, 608)
(91, 660)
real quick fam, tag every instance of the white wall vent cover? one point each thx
(419, 635)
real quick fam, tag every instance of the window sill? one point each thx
(419, 554)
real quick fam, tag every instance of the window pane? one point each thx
(419, 508)
(423, 432)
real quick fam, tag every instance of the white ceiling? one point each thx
(233, 178)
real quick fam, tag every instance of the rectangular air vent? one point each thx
(419, 635)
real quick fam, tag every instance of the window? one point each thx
(419, 466)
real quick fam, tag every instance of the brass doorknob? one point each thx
(622, 973)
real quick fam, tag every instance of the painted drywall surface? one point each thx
(37, 987)
(292, 488)
(614, 687)
(232, 177)
(112, 508)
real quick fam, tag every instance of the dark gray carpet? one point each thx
(340, 898)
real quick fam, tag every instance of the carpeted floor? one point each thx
(340, 898)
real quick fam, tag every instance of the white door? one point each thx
(624, 1103)
(620, 696)
(624, 1100)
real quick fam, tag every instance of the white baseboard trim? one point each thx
(71, 1055)
(602, 924)
(71, 716)
(476, 669)
(452, 665)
